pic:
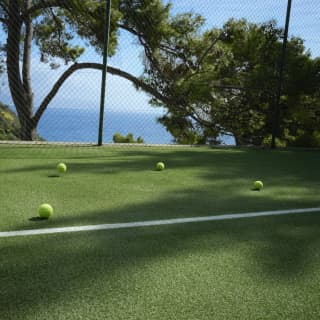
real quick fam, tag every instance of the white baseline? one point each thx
(153, 222)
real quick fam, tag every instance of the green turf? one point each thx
(261, 268)
(113, 184)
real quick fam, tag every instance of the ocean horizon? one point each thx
(81, 125)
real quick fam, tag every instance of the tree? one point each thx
(51, 25)
(224, 81)
(258, 59)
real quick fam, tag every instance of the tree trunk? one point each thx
(28, 129)
(20, 88)
(237, 140)
(26, 63)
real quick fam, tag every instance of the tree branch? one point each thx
(129, 29)
(45, 5)
(114, 71)
(148, 51)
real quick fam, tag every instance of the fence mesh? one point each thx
(154, 72)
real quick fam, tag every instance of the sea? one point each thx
(82, 125)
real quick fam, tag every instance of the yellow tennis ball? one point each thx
(61, 167)
(160, 166)
(257, 185)
(45, 211)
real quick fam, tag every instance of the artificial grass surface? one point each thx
(119, 184)
(262, 268)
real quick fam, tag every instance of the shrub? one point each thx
(279, 143)
(9, 124)
(119, 138)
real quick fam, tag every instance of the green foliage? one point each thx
(87, 20)
(119, 138)
(53, 39)
(225, 80)
(56, 28)
(279, 143)
(309, 138)
(9, 124)
(148, 19)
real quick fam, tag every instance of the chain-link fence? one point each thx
(178, 72)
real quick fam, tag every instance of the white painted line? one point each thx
(153, 222)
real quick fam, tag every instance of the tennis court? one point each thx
(259, 267)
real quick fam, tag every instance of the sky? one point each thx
(82, 90)
(304, 21)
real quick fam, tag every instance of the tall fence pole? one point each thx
(276, 119)
(104, 70)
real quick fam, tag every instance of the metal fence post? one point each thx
(104, 70)
(276, 119)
